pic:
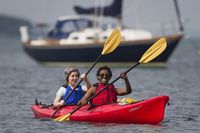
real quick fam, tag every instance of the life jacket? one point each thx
(107, 96)
(75, 96)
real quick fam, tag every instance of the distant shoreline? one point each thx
(9, 25)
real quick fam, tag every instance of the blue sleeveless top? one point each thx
(75, 96)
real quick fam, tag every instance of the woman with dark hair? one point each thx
(109, 95)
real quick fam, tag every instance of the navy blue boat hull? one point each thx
(126, 52)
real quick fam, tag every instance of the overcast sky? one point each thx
(142, 13)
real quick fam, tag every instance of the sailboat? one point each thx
(79, 39)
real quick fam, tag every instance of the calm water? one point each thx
(22, 80)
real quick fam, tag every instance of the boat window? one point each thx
(90, 38)
(75, 38)
(82, 24)
(105, 37)
(68, 27)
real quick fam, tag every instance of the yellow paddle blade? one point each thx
(155, 50)
(112, 42)
(63, 118)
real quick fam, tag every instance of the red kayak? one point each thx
(150, 111)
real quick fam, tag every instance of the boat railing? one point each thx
(161, 28)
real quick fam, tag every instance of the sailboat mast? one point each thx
(95, 13)
(181, 28)
(101, 11)
(119, 17)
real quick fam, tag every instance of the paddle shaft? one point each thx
(77, 85)
(104, 88)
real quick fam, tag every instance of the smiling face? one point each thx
(104, 76)
(73, 78)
